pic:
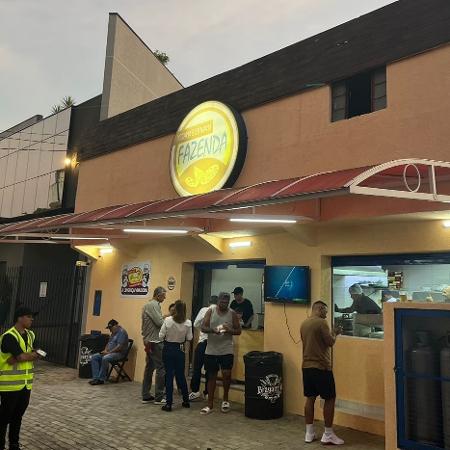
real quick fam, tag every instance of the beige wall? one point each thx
(294, 137)
(133, 75)
(358, 362)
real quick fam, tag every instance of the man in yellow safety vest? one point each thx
(16, 375)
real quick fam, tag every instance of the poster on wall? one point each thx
(135, 280)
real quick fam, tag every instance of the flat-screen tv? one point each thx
(287, 284)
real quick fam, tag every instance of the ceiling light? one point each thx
(446, 223)
(263, 220)
(240, 244)
(154, 230)
(81, 238)
(105, 251)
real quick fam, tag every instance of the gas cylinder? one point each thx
(424, 407)
(445, 389)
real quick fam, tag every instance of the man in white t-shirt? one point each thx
(199, 355)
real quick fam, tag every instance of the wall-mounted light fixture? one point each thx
(240, 244)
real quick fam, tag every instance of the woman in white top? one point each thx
(176, 330)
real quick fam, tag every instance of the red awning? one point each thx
(373, 180)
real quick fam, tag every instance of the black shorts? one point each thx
(317, 382)
(214, 363)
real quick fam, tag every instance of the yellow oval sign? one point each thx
(208, 149)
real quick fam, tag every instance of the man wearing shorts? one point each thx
(220, 323)
(317, 373)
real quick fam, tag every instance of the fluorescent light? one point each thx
(240, 244)
(81, 238)
(446, 223)
(154, 230)
(105, 251)
(264, 220)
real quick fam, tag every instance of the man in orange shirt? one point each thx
(317, 372)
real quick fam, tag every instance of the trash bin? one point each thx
(89, 345)
(263, 385)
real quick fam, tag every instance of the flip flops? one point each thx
(225, 407)
(206, 410)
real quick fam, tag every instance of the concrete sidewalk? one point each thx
(67, 413)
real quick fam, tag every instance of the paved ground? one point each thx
(67, 413)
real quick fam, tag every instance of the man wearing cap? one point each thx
(152, 321)
(362, 304)
(115, 349)
(16, 375)
(243, 307)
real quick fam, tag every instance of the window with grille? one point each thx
(360, 94)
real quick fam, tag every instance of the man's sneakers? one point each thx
(310, 437)
(96, 382)
(331, 439)
(149, 399)
(194, 396)
(162, 401)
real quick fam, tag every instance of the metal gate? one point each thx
(56, 295)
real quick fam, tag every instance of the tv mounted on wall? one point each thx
(287, 284)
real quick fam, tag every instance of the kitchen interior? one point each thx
(406, 283)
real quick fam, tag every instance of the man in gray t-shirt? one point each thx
(220, 323)
(152, 320)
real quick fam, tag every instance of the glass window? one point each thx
(11, 169)
(25, 137)
(61, 142)
(29, 199)
(22, 163)
(63, 120)
(14, 141)
(56, 189)
(7, 201)
(45, 161)
(362, 93)
(3, 165)
(58, 160)
(359, 292)
(49, 129)
(4, 147)
(43, 184)
(33, 163)
(36, 132)
(17, 203)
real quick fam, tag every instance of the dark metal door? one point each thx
(56, 295)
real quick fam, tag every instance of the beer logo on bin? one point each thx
(270, 388)
(208, 150)
(85, 356)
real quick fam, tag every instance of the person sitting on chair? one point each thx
(115, 350)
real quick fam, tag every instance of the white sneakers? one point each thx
(331, 439)
(194, 396)
(327, 438)
(310, 437)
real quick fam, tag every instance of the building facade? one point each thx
(344, 171)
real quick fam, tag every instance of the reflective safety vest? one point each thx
(16, 377)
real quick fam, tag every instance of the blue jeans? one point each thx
(173, 358)
(100, 364)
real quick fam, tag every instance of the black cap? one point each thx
(23, 311)
(112, 323)
(238, 290)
